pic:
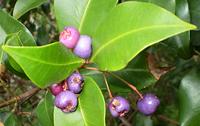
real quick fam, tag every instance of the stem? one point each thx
(19, 98)
(124, 121)
(91, 68)
(164, 118)
(128, 84)
(107, 86)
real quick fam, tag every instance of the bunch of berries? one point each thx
(66, 92)
(81, 44)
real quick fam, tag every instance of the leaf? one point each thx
(45, 110)
(14, 27)
(12, 120)
(23, 6)
(182, 41)
(91, 109)
(142, 120)
(119, 40)
(13, 32)
(44, 65)
(194, 6)
(189, 99)
(167, 4)
(85, 15)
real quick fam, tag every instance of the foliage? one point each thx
(147, 43)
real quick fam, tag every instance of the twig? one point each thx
(91, 68)
(19, 98)
(107, 86)
(164, 118)
(127, 83)
(124, 121)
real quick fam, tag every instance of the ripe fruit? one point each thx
(66, 101)
(69, 37)
(75, 82)
(148, 104)
(119, 106)
(56, 89)
(83, 47)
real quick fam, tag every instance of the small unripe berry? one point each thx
(83, 47)
(119, 106)
(148, 104)
(66, 101)
(56, 89)
(69, 37)
(75, 82)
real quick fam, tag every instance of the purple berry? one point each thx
(83, 47)
(69, 37)
(56, 89)
(119, 106)
(66, 101)
(75, 82)
(148, 104)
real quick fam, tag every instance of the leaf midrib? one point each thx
(84, 15)
(127, 33)
(48, 63)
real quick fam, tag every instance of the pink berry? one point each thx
(56, 89)
(69, 37)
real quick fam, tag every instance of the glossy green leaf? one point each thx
(45, 110)
(45, 65)
(14, 27)
(189, 99)
(167, 4)
(182, 41)
(86, 15)
(194, 6)
(123, 35)
(91, 108)
(14, 33)
(23, 6)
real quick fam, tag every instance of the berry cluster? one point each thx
(81, 44)
(65, 92)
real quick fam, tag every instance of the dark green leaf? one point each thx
(86, 15)
(45, 65)
(189, 99)
(142, 120)
(194, 6)
(45, 110)
(119, 40)
(91, 109)
(23, 6)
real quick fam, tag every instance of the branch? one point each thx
(125, 122)
(23, 96)
(166, 119)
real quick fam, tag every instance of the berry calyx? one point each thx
(83, 47)
(66, 101)
(148, 104)
(118, 106)
(56, 89)
(69, 37)
(75, 82)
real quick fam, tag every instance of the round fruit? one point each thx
(148, 104)
(119, 106)
(83, 47)
(69, 37)
(66, 101)
(75, 82)
(56, 89)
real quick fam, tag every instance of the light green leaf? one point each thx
(45, 65)
(45, 110)
(85, 15)
(123, 35)
(91, 109)
(189, 93)
(23, 6)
